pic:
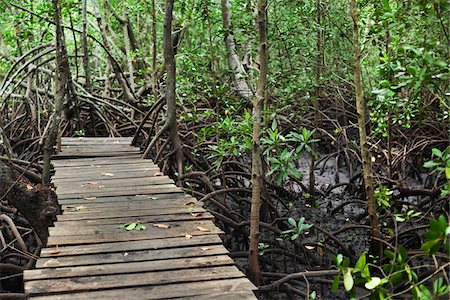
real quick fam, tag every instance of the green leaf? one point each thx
(436, 152)
(335, 284)
(131, 226)
(292, 222)
(339, 259)
(361, 263)
(348, 280)
(431, 164)
(373, 283)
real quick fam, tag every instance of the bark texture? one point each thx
(254, 271)
(362, 120)
(239, 74)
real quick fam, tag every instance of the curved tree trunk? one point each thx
(238, 70)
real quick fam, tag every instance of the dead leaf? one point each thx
(90, 198)
(106, 174)
(158, 174)
(55, 250)
(309, 247)
(92, 182)
(190, 203)
(29, 187)
(202, 229)
(161, 226)
(188, 236)
(101, 186)
(198, 214)
(205, 248)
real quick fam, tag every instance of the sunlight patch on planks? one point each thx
(103, 183)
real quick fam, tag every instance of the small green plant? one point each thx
(441, 165)
(133, 226)
(80, 132)
(296, 229)
(408, 216)
(383, 196)
(439, 290)
(437, 236)
(262, 247)
(360, 274)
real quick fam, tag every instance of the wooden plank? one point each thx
(146, 190)
(126, 246)
(113, 228)
(129, 267)
(157, 233)
(129, 213)
(137, 201)
(115, 190)
(98, 176)
(68, 163)
(131, 256)
(235, 295)
(130, 280)
(158, 244)
(113, 199)
(65, 155)
(96, 139)
(168, 291)
(143, 220)
(83, 171)
(148, 205)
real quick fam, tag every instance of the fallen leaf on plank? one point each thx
(188, 236)
(202, 229)
(158, 174)
(55, 250)
(205, 248)
(198, 214)
(92, 182)
(161, 226)
(90, 198)
(76, 208)
(106, 174)
(189, 203)
(29, 187)
(101, 186)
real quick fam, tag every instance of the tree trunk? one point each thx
(61, 82)
(169, 57)
(362, 120)
(84, 46)
(235, 64)
(253, 270)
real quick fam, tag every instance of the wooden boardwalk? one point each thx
(103, 183)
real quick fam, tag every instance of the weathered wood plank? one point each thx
(168, 291)
(129, 198)
(113, 190)
(128, 213)
(131, 256)
(82, 171)
(176, 227)
(88, 186)
(153, 233)
(130, 280)
(123, 192)
(127, 246)
(148, 205)
(136, 201)
(130, 267)
(69, 163)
